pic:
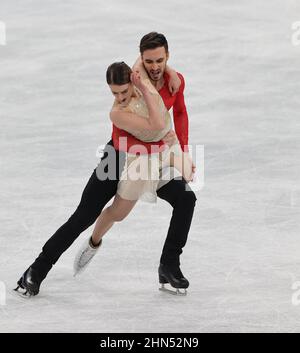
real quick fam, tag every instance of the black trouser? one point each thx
(96, 195)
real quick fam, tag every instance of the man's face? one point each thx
(155, 61)
(122, 93)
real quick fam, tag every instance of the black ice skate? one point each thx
(173, 276)
(29, 283)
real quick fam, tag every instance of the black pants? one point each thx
(97, 194)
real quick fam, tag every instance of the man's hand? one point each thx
(174, 82)
(170, 138)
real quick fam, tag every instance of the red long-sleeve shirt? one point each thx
(180, 121)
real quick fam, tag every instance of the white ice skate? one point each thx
(84, 256)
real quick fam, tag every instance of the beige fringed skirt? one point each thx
(142, 174)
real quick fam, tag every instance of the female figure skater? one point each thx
(138, 109)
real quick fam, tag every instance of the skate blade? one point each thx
(23, 293)
(173, 291)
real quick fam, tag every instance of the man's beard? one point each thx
(155, 76)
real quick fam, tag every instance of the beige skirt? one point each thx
(142, 174)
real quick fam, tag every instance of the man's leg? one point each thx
(183, 203)
(95, 196)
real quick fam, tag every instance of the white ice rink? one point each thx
(242, 70)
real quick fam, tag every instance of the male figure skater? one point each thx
(98, 192)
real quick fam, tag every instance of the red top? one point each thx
(180, 123)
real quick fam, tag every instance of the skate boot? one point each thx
(29, 283)
(85, 255)
(172, 275)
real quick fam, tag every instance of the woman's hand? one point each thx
(138, 82)
(174, 82)
(144, 85)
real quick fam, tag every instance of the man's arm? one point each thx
(181, 122)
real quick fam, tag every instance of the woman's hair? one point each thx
(118, 73)
(153, 40)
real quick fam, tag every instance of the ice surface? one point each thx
(242, 92)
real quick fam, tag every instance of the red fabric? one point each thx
(180, 123)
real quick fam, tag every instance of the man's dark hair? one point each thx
(153, 40)
(118, 73)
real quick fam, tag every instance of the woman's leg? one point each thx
(119, 209)
(116, 212)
